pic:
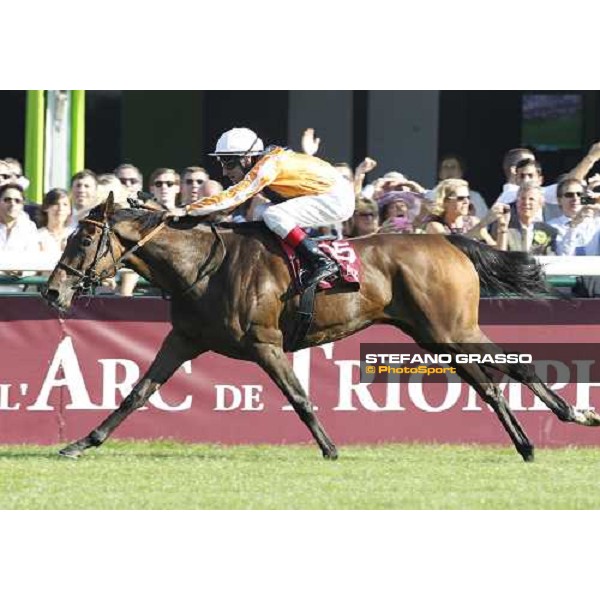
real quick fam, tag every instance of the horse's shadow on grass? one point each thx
(22, 455)
(351, 456)
(164, 455)
(104, 455)
(107, 455)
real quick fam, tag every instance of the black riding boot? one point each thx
(321, 266)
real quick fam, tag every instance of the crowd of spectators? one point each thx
(528, 214)
(559, 218)
(28, 227)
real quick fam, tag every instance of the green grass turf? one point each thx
(165, 474)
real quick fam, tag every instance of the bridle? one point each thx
(90, 279)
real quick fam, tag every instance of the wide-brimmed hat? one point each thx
(411, 199)
(394, 176)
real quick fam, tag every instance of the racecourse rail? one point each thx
(561, 271)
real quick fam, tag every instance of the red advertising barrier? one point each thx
(60, 377)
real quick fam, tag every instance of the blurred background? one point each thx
(406, 131)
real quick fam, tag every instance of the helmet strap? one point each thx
(243, 160)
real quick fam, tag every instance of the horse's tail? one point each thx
(504, 273)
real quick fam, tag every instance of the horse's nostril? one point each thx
(51, 296)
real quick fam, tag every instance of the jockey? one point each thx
(310, 193)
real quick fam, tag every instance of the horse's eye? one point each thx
(86, 242)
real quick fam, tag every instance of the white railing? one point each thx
(554, 265)
(570, 265)
(27, 265)
(31, 261)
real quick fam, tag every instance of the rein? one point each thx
(90, 279)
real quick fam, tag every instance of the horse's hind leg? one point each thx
(525, 374)
(492, 395)
(175, 350)
(483, 385)
(274, 362)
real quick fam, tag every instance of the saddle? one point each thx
(340, 251)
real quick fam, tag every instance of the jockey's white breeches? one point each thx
(312, 211)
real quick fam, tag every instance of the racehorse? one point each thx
(230, 293)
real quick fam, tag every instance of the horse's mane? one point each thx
(145, 218)
(141, 216)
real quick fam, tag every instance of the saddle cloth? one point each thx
(341, 251)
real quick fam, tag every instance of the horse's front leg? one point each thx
(175, 350)
(274, 362)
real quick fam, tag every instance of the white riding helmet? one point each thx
(239, 141)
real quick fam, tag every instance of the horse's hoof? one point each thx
(528, 455)
(592, 418)
(70, 452)
(330, 454)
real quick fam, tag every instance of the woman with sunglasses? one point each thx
(450, 208)
(365, 220)
(305, 191)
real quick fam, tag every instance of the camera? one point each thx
(587, 200)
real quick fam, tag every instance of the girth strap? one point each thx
(304, 317)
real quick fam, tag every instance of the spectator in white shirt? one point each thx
(579, 224)
(18, 232)
(518, 166)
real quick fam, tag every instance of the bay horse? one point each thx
(229, 292)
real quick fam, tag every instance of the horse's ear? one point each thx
(109, 208)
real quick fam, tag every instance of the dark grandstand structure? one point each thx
(406, 130)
